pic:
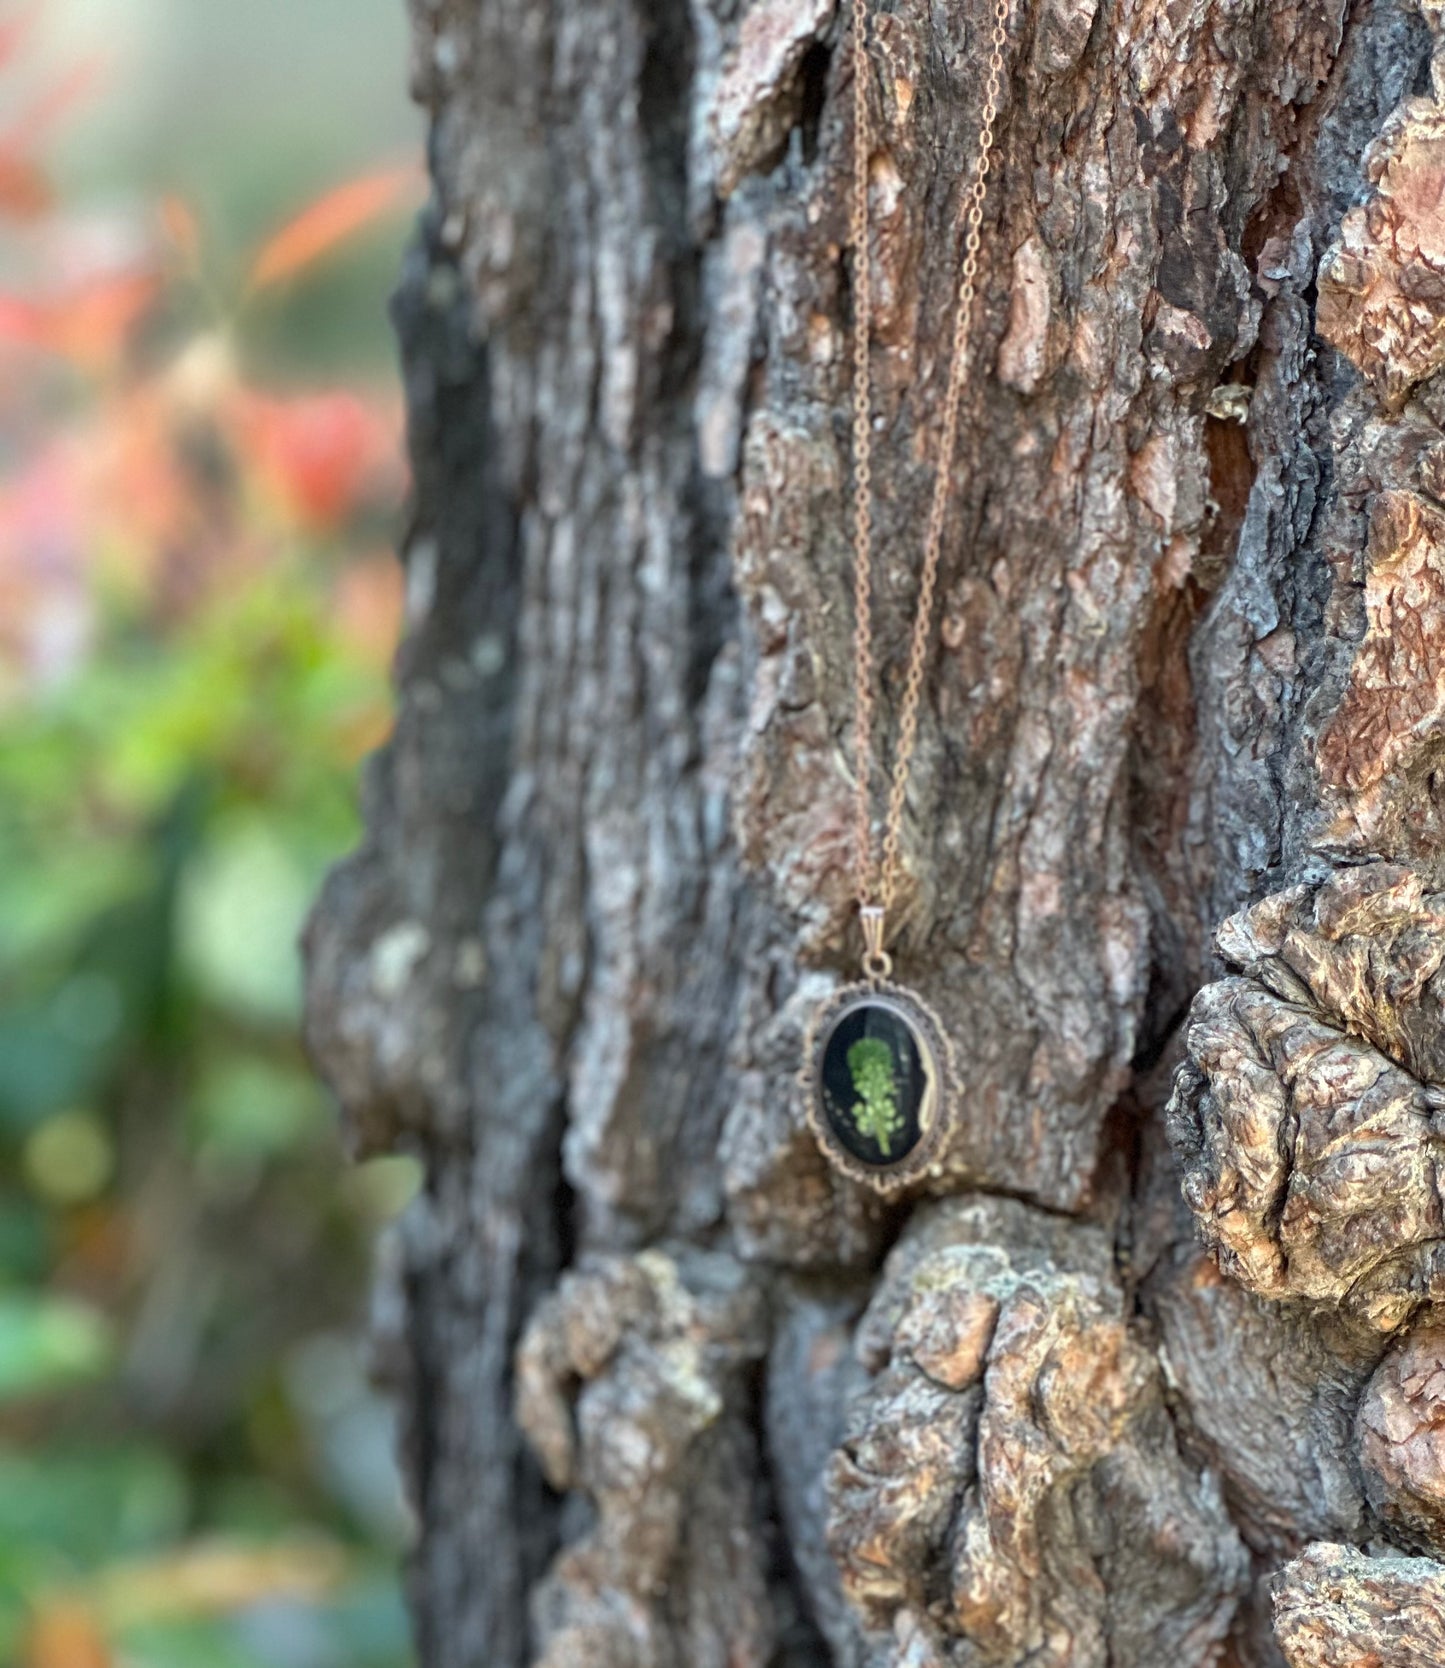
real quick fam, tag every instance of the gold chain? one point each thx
(877, 880)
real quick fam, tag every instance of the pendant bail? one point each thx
(877, 963)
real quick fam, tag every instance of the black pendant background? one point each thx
(873, 1021)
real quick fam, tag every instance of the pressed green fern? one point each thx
(875, 1113)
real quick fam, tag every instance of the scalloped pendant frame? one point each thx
(880, 1084)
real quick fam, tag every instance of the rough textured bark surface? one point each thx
(674, 1393)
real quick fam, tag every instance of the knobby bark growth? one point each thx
(675, 1395)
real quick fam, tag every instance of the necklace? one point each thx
(879, 1070)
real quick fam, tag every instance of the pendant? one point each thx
(881, 1081)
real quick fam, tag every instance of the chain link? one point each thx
(877, 880)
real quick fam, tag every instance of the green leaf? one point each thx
(81, 1506)
(47, 1343)
(241, 910)
(247, 1106)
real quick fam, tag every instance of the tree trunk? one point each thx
(675, 1394)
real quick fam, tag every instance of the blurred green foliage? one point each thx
(196, 614)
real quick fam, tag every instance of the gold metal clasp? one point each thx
(877, 963)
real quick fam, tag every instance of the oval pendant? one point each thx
(880, 1080)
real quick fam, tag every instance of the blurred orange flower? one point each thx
(323, 456)
(66, 1634)
(90, 323)
(328, 222)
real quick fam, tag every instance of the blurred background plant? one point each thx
(201, 206)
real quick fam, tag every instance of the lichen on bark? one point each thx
(1335, 1607)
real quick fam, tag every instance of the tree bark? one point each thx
(676, 1395)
